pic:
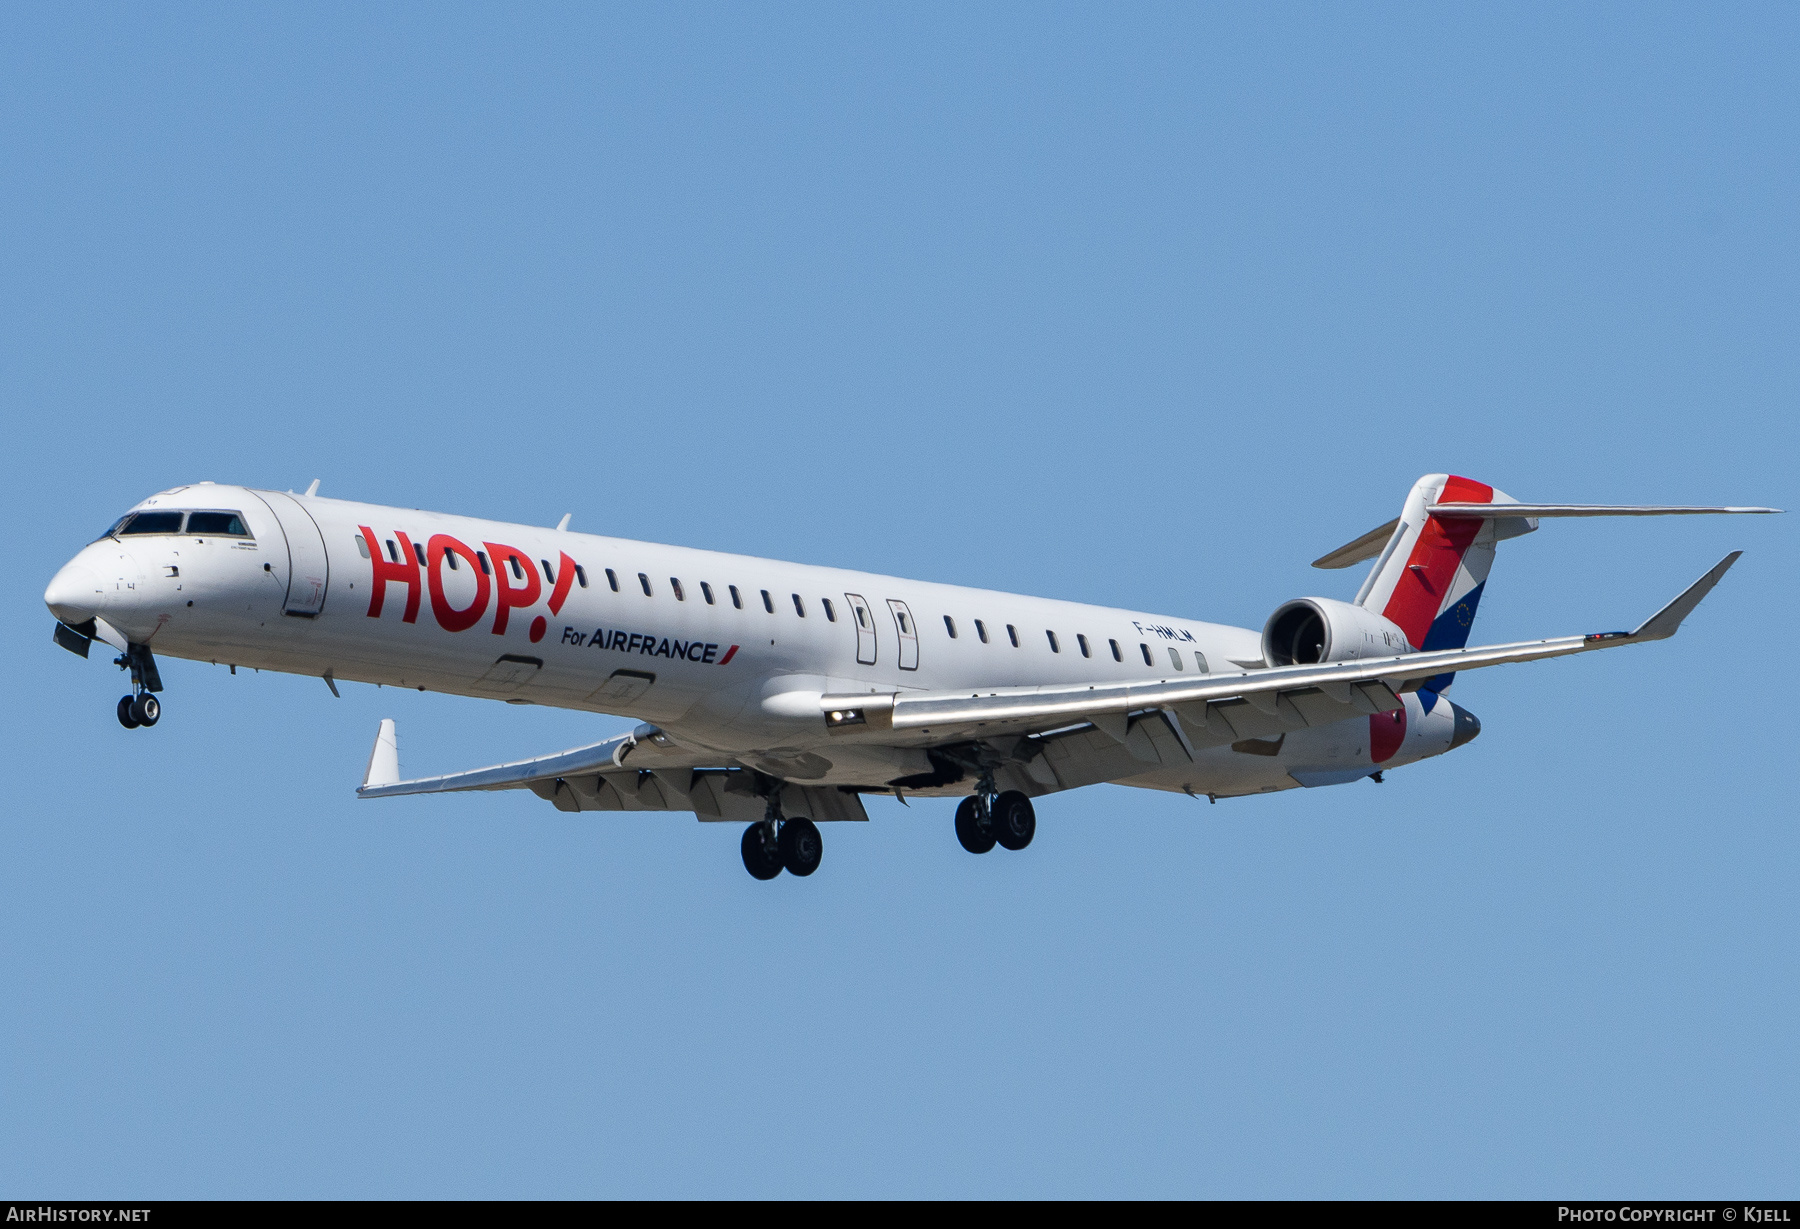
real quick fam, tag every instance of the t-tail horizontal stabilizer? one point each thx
(1501, 509)
(1542, 510)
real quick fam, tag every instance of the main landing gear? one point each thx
(140, 708)
(777, 844)
(1009, 821)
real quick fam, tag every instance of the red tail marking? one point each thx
(1431, 568)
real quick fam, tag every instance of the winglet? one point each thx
(1662, 624)
(384, 757)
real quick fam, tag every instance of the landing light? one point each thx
(843, 717)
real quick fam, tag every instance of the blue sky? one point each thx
(1146, 306)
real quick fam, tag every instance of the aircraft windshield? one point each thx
(199, 524)
(222, 524)
(152, 522)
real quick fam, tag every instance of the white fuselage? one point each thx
(728, 652)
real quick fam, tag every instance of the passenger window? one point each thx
(1012, 634)
(981, 630)
(512, 561)
(862, 616)
(1200, 662)
(1147, 658)
(581, 576)
(1117, 656)
(153, 522)
(706, 592)
(393, 552)
(737, 599)
(768, 602)
(1175, 656)
(612, 578)
(450, 558)
(950, 626)
(221, 524)
(798, 608)
(1082, 641)
(644, 581)
(675, 584)
(362, 547)
(830, 614)
(419, 553)
(1054, 647)
(486, 570)
(905, 624)
(549, 576)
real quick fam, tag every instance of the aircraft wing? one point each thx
(661, 776)
(1250, 703)
(383, 778)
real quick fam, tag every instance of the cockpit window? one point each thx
(216, 524)
(152, 522)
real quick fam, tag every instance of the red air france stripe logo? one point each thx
(1431, 568)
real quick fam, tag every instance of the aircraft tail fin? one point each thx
(1432, 568)
(1431, 561)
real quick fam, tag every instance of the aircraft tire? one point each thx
(801, 847)
(969, 831)
(1015, 820)
(126, 717)
(147, 709)
(761, 861)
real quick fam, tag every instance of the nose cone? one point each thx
(1468, 725)
(74, 593)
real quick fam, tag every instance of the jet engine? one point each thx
(1310, 630)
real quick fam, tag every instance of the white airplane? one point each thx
(776, 694)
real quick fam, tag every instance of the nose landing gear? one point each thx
(145, 710)
(140, 708)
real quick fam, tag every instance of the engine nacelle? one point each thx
(1310, 630)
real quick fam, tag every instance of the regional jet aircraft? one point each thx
(775, 695)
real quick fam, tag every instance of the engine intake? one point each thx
(1311, 630)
